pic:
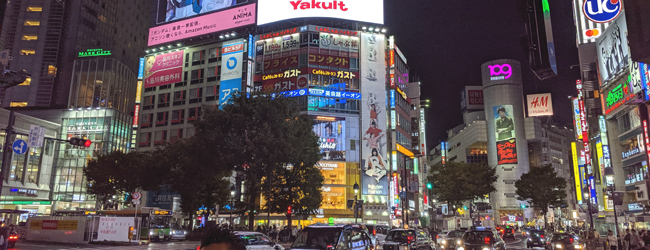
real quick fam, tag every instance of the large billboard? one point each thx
(612, 49)
(539, 105)
(173, 10)
(505, 134)
(367, 11)
(586, 30)
(201, 25)
(163, 69)
(576, 118)
(231, 70)
(331, 137)
(373, 115)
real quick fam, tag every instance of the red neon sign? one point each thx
(507, 152)
(278, 33)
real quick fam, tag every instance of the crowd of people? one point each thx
(284, 235)
(630, 240)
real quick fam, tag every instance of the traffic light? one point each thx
(523, 206)
(429, 186)
(289, 210)
(464, 207)
(80, 142)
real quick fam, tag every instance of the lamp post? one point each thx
(232, 203)
(356, 196)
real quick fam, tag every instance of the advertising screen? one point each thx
(576, 118)
(114, 228)
(505, 134)
(576, 172)
(367, 11)
(201, 25)
(331, 137)
(163, 69)
(231, 71)
(612, 50)
(540, 105)
(373, 100)
(172, 10)
(615, 97)
(333, 172)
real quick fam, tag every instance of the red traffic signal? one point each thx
(289, 210)
(80, 142)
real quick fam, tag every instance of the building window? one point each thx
(32, 23)
(179, 97)
(149, 101)
(211, 93)
(194, 114)
(197, 55)
(26, 52)
(160, 137)
(213, 52)
(30, 37)
(27, 81)
(18, 104)
(176, 134)
(33, 8)
(212, 71)
(163, 100)
(51, 70)
(145, 139)
(145, 120)
(33, 165)
(196, 95)
(161, 119)
(177, 116)
(197, 73)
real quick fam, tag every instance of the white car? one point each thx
(178, 234)
(257, 241)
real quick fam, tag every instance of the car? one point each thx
(178, 234)
(563, 241)
(536, 238)
(257, 241)
(508, 232)
(481, 238)
(407, 239)
(452, 239)
(378, 231)
(13, 238)
(333, 237)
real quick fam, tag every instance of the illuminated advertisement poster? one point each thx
(613, 52)
(645, 79)
(172, 10)
(632, 146)
(164, 69)
(505, 134)
(373, 117)
(201, 25)
(331, 137)
(586, 30)
(576, 172)
(617, 96)
(231, 71)
(367, 11)
(539, 105)
(576, 118)
(138, 92)
(141, 68)
(282, 44)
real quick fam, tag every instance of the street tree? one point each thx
(260, 137)
(458, 182)
(542, 188)
(115, 174)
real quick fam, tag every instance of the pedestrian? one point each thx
(635, 240)
(626, 239)
(611, 240)
(597, 236)
(646, 237)
(259, 229)
(294, 233)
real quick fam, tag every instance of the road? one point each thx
(185, 245)
(518, 244)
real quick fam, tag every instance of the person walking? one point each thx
(611, 240)
(635, 240)
(294, 233)
(626, 240)
(597, 237)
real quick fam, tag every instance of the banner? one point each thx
(164, 69)
(231, 71)
(373, 118)
(612, 50)
(169, 11)
(114, 228)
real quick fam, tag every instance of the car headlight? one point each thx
(444, 242)
(461, 248)
(380, 247)
(529, 239)
(558, 246)
(150, 232)
(577, 246)
(458, 242)
(485, 248)
(442, 247)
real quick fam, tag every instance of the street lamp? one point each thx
(232, 202)
(356, 196)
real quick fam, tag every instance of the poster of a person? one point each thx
(375, 167)
(503, 122)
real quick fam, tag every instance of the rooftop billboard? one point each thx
(369, 11)
(201, 25)
(174, 10)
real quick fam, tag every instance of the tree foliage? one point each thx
(262, 136)
(114, 174)
(457, 182)
(541, 187)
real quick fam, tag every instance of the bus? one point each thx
(155, 224)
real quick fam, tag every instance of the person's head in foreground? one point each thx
(221, 239)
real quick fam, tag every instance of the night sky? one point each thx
(445, 43)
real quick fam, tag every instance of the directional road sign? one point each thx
(19, 147)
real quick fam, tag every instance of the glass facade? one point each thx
(108, 129)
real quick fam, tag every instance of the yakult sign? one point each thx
(370, 11)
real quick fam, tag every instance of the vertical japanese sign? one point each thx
(231, 71)
(163, 69)
(584, 126)
(373, 116)
(576, 118)
(141, 69)
(576, 172)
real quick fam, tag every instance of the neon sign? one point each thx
(498, 72)
(95, 52)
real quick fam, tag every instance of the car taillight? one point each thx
(374, 232)
(437, 236)
(487, 240)
(571, 240)
(542, 236)
(410, 238)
